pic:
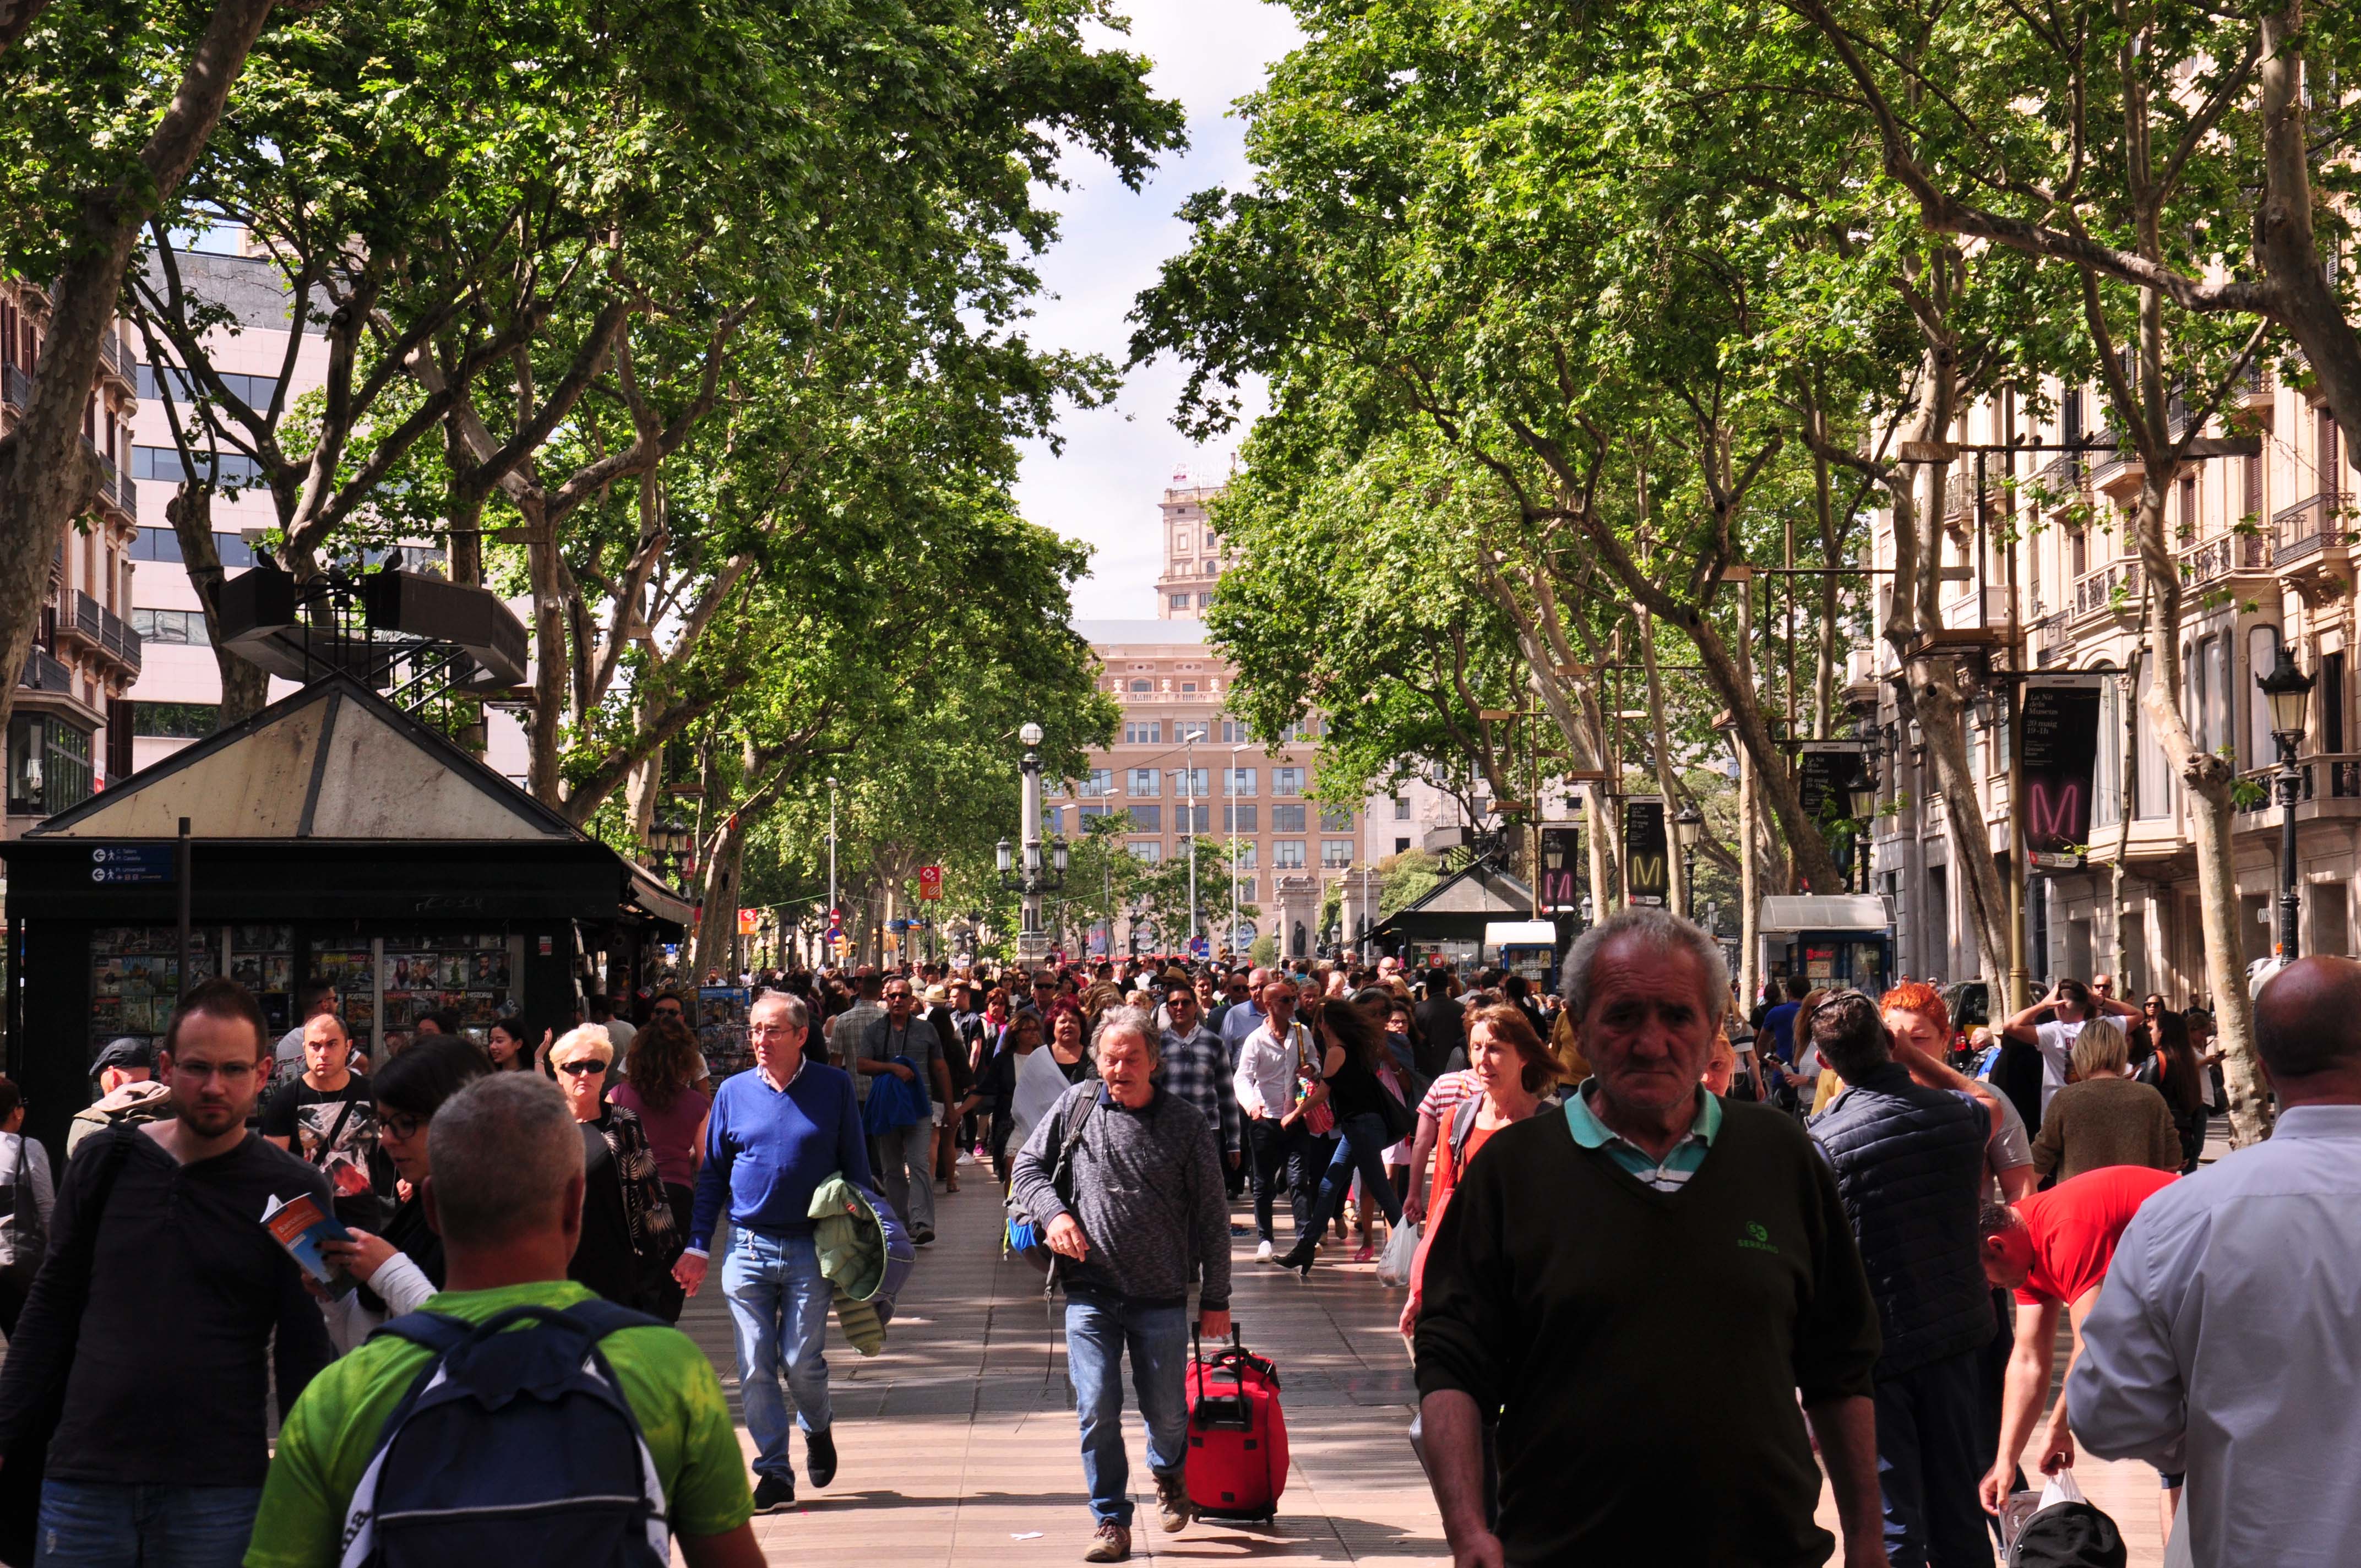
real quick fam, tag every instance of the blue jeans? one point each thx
(1097, 1332)
(778, 1306)
(1362, 1145)
(91, 1525)
(1929, 1460)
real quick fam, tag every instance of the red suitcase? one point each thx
(1237, 1435)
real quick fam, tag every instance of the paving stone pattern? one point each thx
(959, 1441)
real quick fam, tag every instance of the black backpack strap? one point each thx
(602, 1317)
(438, 1331)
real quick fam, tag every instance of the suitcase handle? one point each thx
(1234, 1412)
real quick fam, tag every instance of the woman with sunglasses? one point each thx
(627, 1225)
(399, 1268)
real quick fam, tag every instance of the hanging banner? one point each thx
(748, 920)
(1561, 887)
(930, 882)
(1647, 863)
(2058, 754)
(1824, 772)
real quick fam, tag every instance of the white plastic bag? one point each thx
(1401, 1251)
(2019, 1511)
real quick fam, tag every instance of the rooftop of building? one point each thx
(1142, 633)
(251, 287)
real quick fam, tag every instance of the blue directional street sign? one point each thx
(119, 865)
(1199, 947)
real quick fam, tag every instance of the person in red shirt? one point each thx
(2052, 1249)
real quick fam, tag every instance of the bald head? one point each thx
(2308, 1020)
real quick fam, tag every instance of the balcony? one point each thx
(44, 673)
(2063, 479)
(1958, 492)
(117, 361)
(2307, 527)
(2229, 555)
(2113, 586)
(105, 634)
(2339, 771)
(2256, 386)
(1964, 610)
(115, 488)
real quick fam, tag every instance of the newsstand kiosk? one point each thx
(334, 837)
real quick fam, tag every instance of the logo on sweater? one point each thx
(1758, 1238)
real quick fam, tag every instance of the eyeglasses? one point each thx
(581, 1069)
(667, 1010)
(400, 1127)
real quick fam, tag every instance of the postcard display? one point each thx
(383, 983)
(389, 983)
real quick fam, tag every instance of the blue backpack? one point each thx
(511, 1449)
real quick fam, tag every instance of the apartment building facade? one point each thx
(67, 731)
(177, 699)
(1183, 766)
(2264, 546)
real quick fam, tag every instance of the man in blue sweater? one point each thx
(774, 1136)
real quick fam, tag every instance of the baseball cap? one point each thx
(126, 1050)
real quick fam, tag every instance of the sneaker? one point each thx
(922, 1237)
(820, 1456)
(773, 1494)
(1112, 1543)
(1262, 1250)
(1173, 1509)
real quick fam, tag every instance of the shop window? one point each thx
(48, 765)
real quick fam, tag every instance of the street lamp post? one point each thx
(2288, 688)
(831, 851)
(1230, 937)
(1864, 811)
(1031, 878)
(1689, 826)
(1190, 762)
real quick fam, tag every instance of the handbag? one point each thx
(1319, 1120)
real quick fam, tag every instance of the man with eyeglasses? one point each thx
(906, 1045)
(157, 1246)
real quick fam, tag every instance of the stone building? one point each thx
(2265, 552)
(67, 731)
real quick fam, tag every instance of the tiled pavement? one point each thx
(957, 1444)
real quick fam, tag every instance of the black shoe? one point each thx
(1300, 1256)
(773, 1494)
(820, 1456)
(922, 1237)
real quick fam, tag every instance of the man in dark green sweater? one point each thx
(1636, 1289)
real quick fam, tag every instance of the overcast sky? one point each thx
(1117, 460)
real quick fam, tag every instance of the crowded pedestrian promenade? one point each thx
(935, 1404)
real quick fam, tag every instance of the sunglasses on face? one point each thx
(581, 1069)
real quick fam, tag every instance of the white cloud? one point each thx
(1117, 460)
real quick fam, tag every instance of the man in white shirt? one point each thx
(2222, 1343)
(1270, 1097)
(2071, 1004)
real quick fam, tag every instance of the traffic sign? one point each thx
(930, 882)
(118, 864)
(748, 920)
(1199, 947)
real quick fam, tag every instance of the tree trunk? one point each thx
(2286, 244)
(46, 472)
(1660, 753)
(551, 665)
(245, 685)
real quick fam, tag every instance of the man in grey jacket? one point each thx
(1135, 1215)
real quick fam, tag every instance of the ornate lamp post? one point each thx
(1032, 879)
(668, 841)
(2289, 689)
(1688, 827)
(1864, 811)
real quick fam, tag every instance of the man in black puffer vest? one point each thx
(1909, 1168)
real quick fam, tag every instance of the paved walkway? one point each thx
(957, 1444)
